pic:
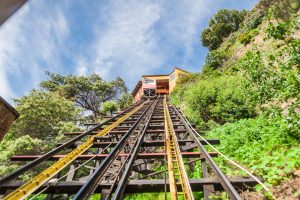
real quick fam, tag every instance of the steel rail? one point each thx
(37, 161)
(91, 184)
(175, 160)
(118, 194)
(32, 185)
(228, 187)
(115, 181)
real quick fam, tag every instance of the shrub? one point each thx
(246, 38)
(281, 9)
(109, 107)
(270, 77)
(125, 100)
(215, 59)
(215, 100)
(22, 145)
(187, 79)
(263, 144)
(44, 115)
(279, 31)
(253, 20)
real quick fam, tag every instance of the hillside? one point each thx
(247, 95)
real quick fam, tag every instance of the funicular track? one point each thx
(150, 147)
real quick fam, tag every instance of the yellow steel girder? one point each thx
(176, 168)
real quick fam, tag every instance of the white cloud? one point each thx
(82, 68)
(182, 24)
(138, 37)
(31, 42)
(10, 34)
(128, 42)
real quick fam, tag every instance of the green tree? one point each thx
(44, 115)
(109, 107)
(22, 145)
(220, 26)
(89, 92)
(125, 100)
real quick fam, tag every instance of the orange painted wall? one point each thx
(138, 95)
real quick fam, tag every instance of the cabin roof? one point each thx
(152, 75)
(179, 70)
(155, 75)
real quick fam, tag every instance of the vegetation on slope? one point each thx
(220, 26)
(248, 93)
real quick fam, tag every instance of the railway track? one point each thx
(149, 147)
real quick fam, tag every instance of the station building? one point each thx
(152, 85)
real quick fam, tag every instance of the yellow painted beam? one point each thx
(174, 157)
(172, 181)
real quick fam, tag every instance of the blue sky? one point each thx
(126, 38)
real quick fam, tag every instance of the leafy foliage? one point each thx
(215, 58)
(263, 144)
(253, 20)
(44, 115)
(278, 78)
(158, 196)
(110, 107)
(125, 100)
(220, 26)
(22, 144)
(282, 9)
(89, 92)
(215, 100)
(279, 31)
(43, 118)
(246, 38)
